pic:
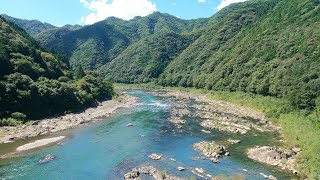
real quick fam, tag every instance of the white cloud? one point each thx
(225, 3)
(124, 9)
(202, 1)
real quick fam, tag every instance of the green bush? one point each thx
(304, 132)
(19, 116)
(9, 122)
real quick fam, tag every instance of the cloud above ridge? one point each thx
(202, 1)
(124, 9)
(225, 3)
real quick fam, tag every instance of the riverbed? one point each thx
(108, 149)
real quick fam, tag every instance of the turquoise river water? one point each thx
(108, 149)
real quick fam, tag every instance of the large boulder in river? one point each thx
(155, 156)
(180, 168)
(211, 150)
(132, 175)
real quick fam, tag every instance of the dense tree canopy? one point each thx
(98, 44)
(32, 27)
(268, 47)
(35, 83)
(145, 60)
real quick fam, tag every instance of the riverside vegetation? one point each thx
(298, 128)
(262, 53)
(35, 83)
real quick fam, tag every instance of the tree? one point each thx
(19, 116)
(79, 73)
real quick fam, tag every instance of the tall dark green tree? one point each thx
(79, 72)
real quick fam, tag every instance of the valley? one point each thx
(151, 132)
(232, 96)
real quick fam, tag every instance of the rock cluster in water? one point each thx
(219, 115)
(284, 158)
(46, 159)
(233, 141)
(138, 173)
(180, 168)
(270, 177)
(211, 150)
(222, 116)
(177, 120)
(155, 156)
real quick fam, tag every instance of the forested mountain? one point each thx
(268, 47)
(264, 47)
(35, 83)
(32, 27)
(145, 60)
(98, 44)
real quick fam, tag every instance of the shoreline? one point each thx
(68, 121)
(217, 114)
(236, 119)
(39, 143)
(204, 110)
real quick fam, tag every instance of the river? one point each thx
(108, 149)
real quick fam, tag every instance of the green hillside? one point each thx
(35, 83)
(263, 47)
(32, 27)
(263, 50)
(145, 60)
(98, 44)
(268, 47)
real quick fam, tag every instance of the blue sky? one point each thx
(61, 12)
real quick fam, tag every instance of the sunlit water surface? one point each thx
(108, 149)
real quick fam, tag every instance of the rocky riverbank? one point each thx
(46, 126)
(275, 156)
(227, 117)
(219, 115)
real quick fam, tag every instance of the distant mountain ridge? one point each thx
(32, 27)
(253, 46)
(98, 44)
